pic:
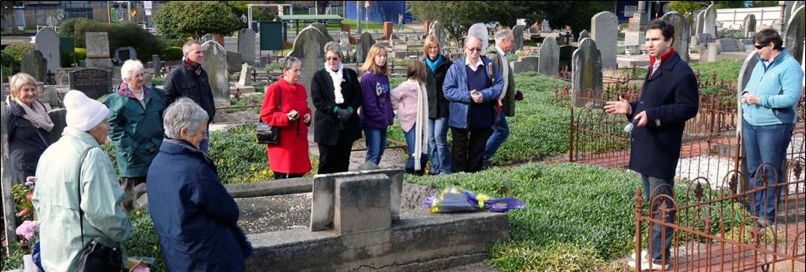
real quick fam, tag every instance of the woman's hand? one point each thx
(750, 99)
(306, 118)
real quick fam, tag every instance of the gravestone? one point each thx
(125, 53)
(93, 82)
(705, 38)
(517, 32)
(309, 47)
(730, 45)
(566, 52)
(246, 45)
(344, 43)
(586, 76)
(709, 21)
(245, 79)
(711, 52)
(206, 37)
(747, 69)
(322, 28)
(362, 47)
(156, 65)
(749, 26)
(438, 31)
(479, 31)
(47, 42)
(215, 64)
(234, 61)
(34, 64)
(604, 26)
(699, 21)
(545, 26)
(97, 50)
(584, 34)
(681, 32)
(525, 64)
(794, 40)
(59, 119)
(549, 61)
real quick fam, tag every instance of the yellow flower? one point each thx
(154, 247)
(264, 172)
(138, 213)
(252, 169)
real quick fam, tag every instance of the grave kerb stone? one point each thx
(324, 193)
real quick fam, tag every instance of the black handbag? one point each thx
(268, 134)
(95, 256)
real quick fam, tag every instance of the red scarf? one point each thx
(663, 59)
(193, 66)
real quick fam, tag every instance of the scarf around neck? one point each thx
(192, 65)
(37, 115)
(337, 77)
(420, 125)
(433, 64)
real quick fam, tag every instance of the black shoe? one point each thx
(410, 171)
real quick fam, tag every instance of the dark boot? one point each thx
(410, 171)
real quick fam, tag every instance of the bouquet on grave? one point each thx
(456, 199)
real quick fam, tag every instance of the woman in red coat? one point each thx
(285, 105)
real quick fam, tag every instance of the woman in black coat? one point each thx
(437, 107)
(28, 127)
(336, 124)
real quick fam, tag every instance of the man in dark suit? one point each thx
(669, 97)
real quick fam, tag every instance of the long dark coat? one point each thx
(670, 97)
(25, 142)
(327, 126)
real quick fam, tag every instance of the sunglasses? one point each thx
(333, 58)
(474, 49)
(759, 46)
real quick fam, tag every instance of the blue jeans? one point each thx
(765, 145)
(438, 146)
(500, 134)
(410, 143)
(659, 186)
(376, 144)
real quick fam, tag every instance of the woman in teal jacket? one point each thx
(135, 115)
(768, 112)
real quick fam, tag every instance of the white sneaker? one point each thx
(646, 264)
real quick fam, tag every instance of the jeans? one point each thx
(376, 144)
(500, 134)
(410, 143)
(438, 146)
(765, 145)
(659, 186)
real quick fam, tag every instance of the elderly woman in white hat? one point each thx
(77, 197)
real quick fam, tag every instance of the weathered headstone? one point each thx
(747, 69)
(245, 79)
(322, 28)
(709, 20)
(730, 45)
(586, 76)
(206, 37)
(246, 45)
(215, 63)
(517, 32)
(93, 82)
(234, 61)
(479, 31)
(604, 26)
(47, 42)
(549, 61)
(97, 50)
(34, 64)
(749, 26)
(125, 53)
(681, 32)
(584, 34)
(59, 119)
(566, 52)
(344, 43)
(362, 47)
(156, 65)
(699, 21)
(794, 41)
(525, 64)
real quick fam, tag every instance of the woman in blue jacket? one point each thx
(195, 218)
(768, 115)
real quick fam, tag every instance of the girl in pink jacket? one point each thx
(410, 102)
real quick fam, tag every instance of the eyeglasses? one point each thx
(332, 58)
(759, 46)
(477, 49)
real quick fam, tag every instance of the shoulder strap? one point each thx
(78, 189)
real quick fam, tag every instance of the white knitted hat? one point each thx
(83, 113)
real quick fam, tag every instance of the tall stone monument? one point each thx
(309, 47)
(549, 61)
(215, 64)
(246, 45)
(98, 50)
(586, 75)
(47, 42)
(604, 27)
(749, 26)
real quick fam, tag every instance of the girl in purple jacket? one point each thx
(376, 110)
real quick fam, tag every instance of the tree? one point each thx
(197, 18)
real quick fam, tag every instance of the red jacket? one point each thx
(291, 155)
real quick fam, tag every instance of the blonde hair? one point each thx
(17, 81)
(417, 71)
(431, 40)
(369, 63)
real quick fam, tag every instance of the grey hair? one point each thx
(467, 39)
(184, 113)
(287, 62)
(129, 67)
(502, 34)
(188, 44)
(335, 48)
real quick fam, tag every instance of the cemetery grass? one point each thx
(725, 70)
(577, 217)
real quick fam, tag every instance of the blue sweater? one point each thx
(778, 87)
(480, 114)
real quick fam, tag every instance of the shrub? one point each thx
(120, 35)
(238, 156)
(81, 53)
(16, 51)
(171, 53)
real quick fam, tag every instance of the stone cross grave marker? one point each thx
(604, 26)
(93, 82)
(362, 47)
(34, 64)
(479, 31)
(586, 76)
(749, 26)
(517, 32)
(681, 33)
(794, 40)
(215, 64)
(47, 42)
(438, 31)
(549, 61)
(246, 45)
(98, 50)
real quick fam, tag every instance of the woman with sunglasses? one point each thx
(768, 117)
(336, 95)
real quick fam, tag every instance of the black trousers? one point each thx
(334, 158)
(468, 148)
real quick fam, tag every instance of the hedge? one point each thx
(120, 35)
